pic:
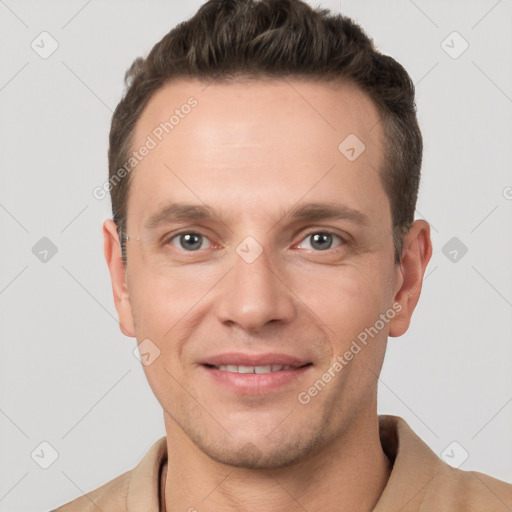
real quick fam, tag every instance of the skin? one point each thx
(251, 150)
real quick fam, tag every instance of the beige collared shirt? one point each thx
(420, 481)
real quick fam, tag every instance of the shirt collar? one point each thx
(415, 465)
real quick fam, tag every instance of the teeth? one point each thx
(262, 369)
(253, 369)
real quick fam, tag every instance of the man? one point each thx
(264, 168)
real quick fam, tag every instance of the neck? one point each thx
(349, 474)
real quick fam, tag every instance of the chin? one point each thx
(261, 453)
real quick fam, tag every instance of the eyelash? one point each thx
(167, 240)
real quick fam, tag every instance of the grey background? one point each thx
(68, 375)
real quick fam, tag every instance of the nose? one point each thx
(254, 295)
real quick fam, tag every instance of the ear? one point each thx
(416, 253)
(112, 250)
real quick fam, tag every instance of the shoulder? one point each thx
(110, 496)
(134, 490)
(468, 491)
(421, 481)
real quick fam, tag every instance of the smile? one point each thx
(251, 375)
(253, 369)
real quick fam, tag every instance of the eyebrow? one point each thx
(300, 212)
(326, 211)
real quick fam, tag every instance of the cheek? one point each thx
(163, 306)
(160, 300)
(347, 298)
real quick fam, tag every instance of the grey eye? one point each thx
(188, 241)
(321, 240)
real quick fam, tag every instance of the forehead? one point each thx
(256, 140)
(329, 109)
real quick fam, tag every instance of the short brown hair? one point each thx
(227, 39)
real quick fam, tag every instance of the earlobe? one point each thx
(117, 269)
(417, 251)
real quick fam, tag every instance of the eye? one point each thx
(189, 241)
(321, 240)
(192, 241)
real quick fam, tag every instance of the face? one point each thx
(258, 254)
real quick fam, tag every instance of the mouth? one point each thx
(255, 369)
(247, 374)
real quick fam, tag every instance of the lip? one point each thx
(255, 383)
(241, 359)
